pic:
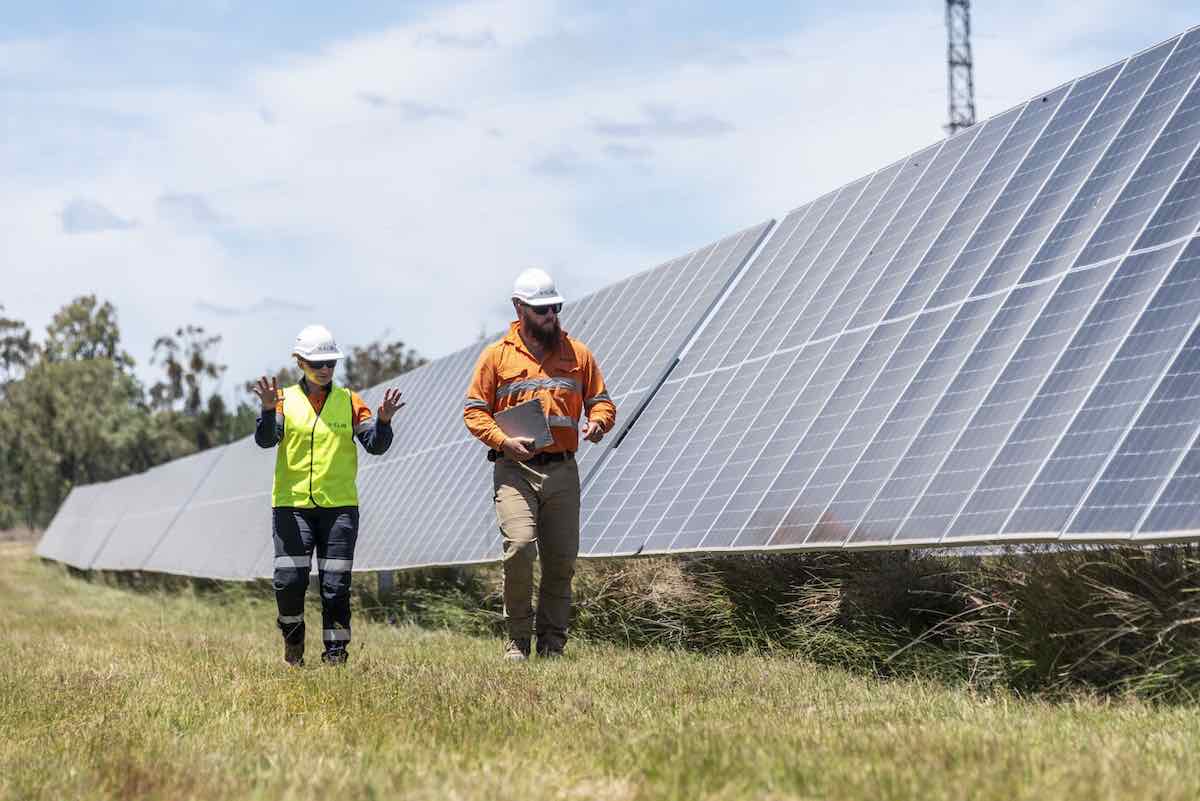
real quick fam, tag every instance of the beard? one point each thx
(545, 334)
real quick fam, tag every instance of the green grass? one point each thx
(110, 693)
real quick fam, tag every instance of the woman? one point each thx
(314, 497)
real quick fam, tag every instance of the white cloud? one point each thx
(188, 210)
(81, 216)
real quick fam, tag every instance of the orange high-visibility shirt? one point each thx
(567, 380)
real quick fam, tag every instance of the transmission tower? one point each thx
(960, 75)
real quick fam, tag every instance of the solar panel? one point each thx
(971, 354)
(103, 511)
(156, 498)
(60, 539)
(224, 531)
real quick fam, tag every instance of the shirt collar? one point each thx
(513, 337)
(304, 386)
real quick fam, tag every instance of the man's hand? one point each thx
(391, 404)
(268, 393)
(592, 431)
(518, 449)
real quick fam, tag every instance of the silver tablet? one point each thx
(526, 419)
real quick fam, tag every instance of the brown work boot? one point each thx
(293, 653)
(517, 650)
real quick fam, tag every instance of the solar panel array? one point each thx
(992, 340)
(949, 350)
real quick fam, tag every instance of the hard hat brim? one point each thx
(543, 301)
(319, 357)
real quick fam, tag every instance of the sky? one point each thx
(388, 168)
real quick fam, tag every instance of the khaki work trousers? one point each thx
(537, 507)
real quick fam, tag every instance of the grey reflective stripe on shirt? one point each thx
(592, 401)
(531, 384)
(335, 565)
(336, 635)
(476, 403)
(561, 421)
(365, 425)
(292, 561)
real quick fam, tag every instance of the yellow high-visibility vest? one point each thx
(316, 464)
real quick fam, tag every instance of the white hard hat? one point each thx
(315, 342)
(535, 287)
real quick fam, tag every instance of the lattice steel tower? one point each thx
(960, 76)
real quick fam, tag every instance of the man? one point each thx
(315, 497)
(537, 491)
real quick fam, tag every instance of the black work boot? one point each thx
(517, 650)
(293, 653)
(549, 649)
(335, 656)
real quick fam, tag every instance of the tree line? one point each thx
(72, 411)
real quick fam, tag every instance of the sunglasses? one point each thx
(540, 310)
(321, 365)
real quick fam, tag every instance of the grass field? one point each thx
(110, 693)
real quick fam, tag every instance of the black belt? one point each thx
(538, 459)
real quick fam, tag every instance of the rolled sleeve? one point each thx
(596, 401)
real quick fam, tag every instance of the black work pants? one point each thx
(332, 533)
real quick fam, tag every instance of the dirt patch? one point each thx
(19, 534)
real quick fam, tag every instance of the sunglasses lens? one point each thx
(321, 365)
(542, 310)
